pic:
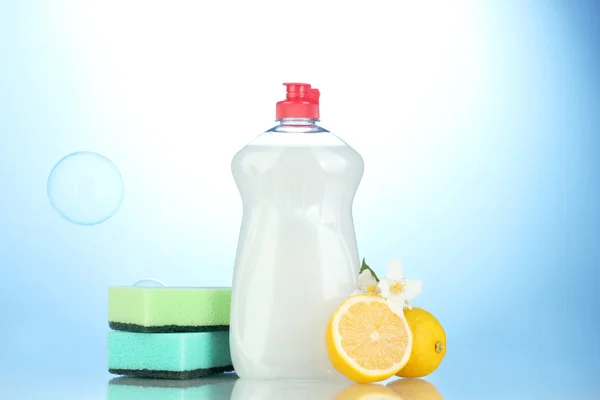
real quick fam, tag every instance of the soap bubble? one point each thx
(85, 188)
(149, 283)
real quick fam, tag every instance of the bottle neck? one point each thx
(297, 121)
(297, 125)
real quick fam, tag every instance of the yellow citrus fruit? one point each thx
(429, 344)
(362, 391)
(366, 341)
(415, 389)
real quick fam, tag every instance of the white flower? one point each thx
(398, 290)
(367, 282)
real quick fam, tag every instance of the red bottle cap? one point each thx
(301, 101)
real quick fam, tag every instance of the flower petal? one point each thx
(356, 292)
(412, 289)
(384, 287)
(395, 270)
(365, 279)
(396, 306)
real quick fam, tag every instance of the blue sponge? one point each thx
(168, 355)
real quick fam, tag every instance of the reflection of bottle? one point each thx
(218, 387)
(297, 258)
(246, 389)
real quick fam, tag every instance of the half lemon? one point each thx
(366, 341)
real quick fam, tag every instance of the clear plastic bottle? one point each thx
(297, 257)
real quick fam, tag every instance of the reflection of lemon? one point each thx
(366, 341)
(415, 389)
(362, 391)
(429, 344)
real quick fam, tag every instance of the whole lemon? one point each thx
(415, 389)
(429, 344)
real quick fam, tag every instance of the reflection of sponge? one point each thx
(218, 387)
(168, 355)
(165, 309)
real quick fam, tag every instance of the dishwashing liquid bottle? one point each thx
(297, 257)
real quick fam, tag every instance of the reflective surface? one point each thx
(229, 386)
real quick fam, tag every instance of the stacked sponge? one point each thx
(169, 333)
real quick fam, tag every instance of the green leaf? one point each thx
(365, 267)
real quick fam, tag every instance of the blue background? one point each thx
(478, 123)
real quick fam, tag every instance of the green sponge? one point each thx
(168, 355)
(167, 309)
(219, 387)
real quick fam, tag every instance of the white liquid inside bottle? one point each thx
(297, 257)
